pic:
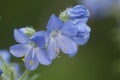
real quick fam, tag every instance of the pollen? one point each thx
(31, 62)
(23, 59)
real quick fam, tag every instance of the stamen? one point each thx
(31, 62)
(55, 33)
(62, 44)
(57, 50)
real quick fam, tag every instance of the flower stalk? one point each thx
(25, 74)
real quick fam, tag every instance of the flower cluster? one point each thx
(64, 33)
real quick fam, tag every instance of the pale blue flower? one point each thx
(30, 48)
(6, 56)
(83, 33)
(78, 14)
(58, 37)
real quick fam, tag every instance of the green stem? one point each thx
(10, 71)
(25, 74)
(12, 74)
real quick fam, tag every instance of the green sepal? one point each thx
(64, 15)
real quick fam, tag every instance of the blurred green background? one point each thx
(99, 59)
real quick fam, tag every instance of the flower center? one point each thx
(31, 62)
(33, 44)
(55, 33)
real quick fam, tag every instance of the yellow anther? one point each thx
(31, 62)
(23, 59)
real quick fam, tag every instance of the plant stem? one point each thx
(7, 69)
(25, 74)
(12, 74)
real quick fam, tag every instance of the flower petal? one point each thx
(68, 29)
(83, 34)
(53, 49)
(82, 38)
(67, 45)
(20, 37)
(42, 33)
(83, 27)
(20, 50)
(31, 61)
(42, 57)
(78, 11)
(76, 21)
(39, 40)
(54, 23)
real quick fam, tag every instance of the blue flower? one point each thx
(30, 48)
(78, 16)
(6, 56)
(58, 37)
(78, 13)
(83, 33)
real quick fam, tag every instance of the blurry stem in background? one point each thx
(34, 77)
(118, 22)
(25, 74)
(8, 68)
(12, 74)
(6, 65)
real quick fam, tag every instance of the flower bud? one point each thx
(28, 31)
(75, 13)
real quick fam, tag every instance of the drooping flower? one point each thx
(78, 13)
(78, 16)
(58, 37)
(83, 33)
(30, 48)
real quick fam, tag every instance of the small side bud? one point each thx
(64, 16)
(28, 31)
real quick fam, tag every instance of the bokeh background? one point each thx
(99, 59)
